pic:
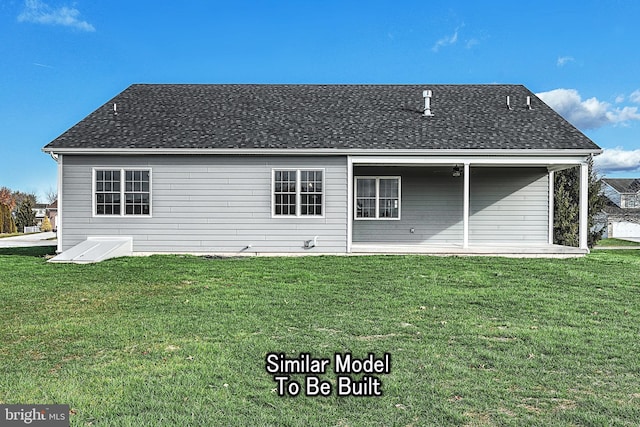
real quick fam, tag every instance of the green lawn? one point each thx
(181, 340)
(616, 242)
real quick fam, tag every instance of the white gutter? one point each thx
(324, 151)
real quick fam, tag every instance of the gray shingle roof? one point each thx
(323, 116)
(624, 185)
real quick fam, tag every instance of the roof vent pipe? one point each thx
(529, 103)
(427, 94)
(509, 102)
(115, 109)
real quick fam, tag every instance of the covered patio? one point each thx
(472, 205)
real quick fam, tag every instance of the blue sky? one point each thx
(60, 60)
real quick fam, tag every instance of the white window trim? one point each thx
(122, 191)
(298, 193)
(377, 217)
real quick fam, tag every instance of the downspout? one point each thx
(58, 159)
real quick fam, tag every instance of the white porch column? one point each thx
(551, 205)
(465, 208)
(60, 213)
(584, 204)
(350, 202)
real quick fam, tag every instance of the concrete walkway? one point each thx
(37, 239)
(631, 239)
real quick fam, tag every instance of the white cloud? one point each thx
(39, 12)
(619, 99)
(635, 96)
(588, 114)
(446, 41)
(617, 160)
(471, 43)
(624, 115)
(563, 60)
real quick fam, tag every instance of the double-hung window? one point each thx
(122, 192)
(298, 192)
(136, 192)
(628, 201)
(377, 197)
(107, 192)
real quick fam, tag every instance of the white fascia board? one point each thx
(322, 151)
(560, 161)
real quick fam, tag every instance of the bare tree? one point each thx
(51, 195)
(20, 197)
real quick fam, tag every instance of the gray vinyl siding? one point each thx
(431, 204)
(508, 205)
(207, 204)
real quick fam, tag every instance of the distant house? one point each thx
(622, 212)
(624, 193)
(333, 169)
(40, 211)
